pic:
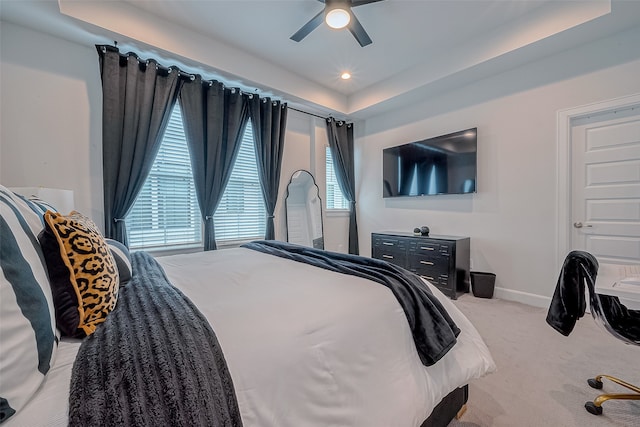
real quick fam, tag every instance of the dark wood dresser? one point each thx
(442, 260)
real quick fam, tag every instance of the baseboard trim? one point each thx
(523, 297)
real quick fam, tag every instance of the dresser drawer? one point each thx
(445, 249)
(431, 272)
(393, 256)
(389, 249)
(388, 242)
(429, 260)
(428, 275)
(439, 280)
(424, 247)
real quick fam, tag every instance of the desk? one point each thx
(608, 282)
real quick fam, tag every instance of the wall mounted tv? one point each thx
(446, 164)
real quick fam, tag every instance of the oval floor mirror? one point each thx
(304, 211)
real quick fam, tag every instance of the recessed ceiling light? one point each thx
(345, 76)
(337, 18)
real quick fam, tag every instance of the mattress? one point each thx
(304, 346)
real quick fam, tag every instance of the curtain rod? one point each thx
(192, 77)
(308, 113)
(317, 115)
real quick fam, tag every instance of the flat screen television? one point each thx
(446, 164)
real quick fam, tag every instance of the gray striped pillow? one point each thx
(28, 334)
(122, 257)
(42, 205)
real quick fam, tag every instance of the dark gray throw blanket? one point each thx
(155, 361)
(433, 330)
(578, 273)
(569, 301)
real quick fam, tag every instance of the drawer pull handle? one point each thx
(427, 248)
(427, 277)
(387, 243)
(387, 256)
(426, 262)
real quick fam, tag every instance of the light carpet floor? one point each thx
(542, 375)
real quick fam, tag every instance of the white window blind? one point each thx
(166, 212)
(335, 198)
(241, 214)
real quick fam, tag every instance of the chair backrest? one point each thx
(621, 322)
(568, 304)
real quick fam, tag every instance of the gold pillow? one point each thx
(82, 272)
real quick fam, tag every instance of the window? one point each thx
(166, 212)
(335, 198)
(241, 214)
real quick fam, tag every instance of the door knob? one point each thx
(580, 225)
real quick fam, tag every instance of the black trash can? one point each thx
(483, 284)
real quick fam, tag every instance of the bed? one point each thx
(303, 345)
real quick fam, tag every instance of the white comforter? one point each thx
(304, 346)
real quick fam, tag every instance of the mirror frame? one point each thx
(286, 211)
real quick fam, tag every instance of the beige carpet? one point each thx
(542, 375)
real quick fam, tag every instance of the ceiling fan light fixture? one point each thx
(337, 14)
(338, 18)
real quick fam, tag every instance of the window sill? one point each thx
(227, 244)
(337, 212)
(188, 249)
(171, 250)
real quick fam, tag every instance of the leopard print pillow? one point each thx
(82, 272)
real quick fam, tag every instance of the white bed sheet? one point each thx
(304, 346)
(49, 406)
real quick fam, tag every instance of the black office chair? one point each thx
(569, 304)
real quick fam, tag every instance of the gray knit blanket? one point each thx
(155, 361)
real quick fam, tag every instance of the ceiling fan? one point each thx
(337, 14)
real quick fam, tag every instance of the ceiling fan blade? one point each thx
(308, 27)
(358, 31)
(355, 3)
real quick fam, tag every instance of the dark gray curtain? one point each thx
(269, 120)
(137, 98)
(214, 120)
(341, 145)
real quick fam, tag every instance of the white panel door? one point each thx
(606, 186)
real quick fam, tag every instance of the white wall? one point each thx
(51, 125)
(51, 121)
(512, 219)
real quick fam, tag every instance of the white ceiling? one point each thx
(418, 46)
(404, 33)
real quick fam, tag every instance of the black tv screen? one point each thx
(445, 164)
